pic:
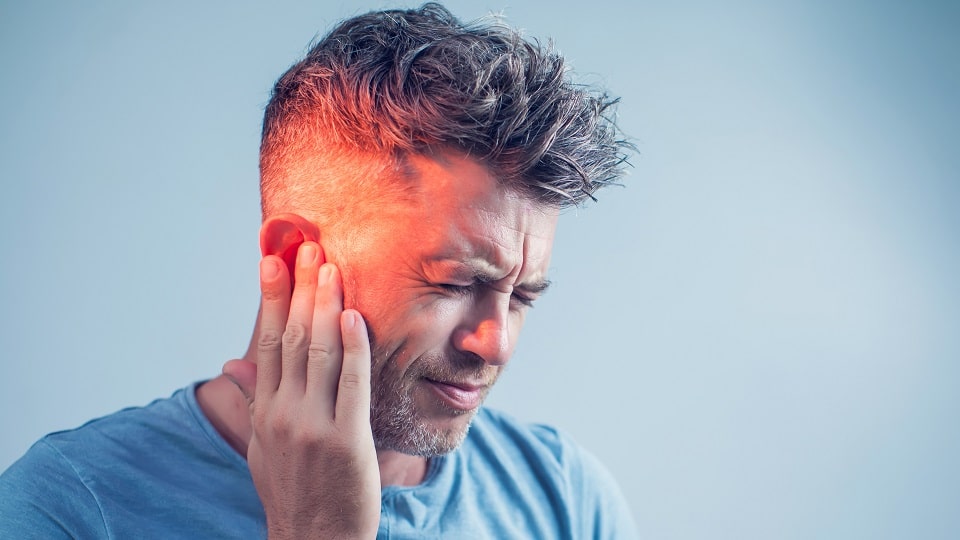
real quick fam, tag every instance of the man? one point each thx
(412, 172)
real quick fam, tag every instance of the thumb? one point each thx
(242, 373)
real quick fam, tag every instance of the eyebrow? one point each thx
(536, 287)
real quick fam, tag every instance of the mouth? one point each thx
(461, 396)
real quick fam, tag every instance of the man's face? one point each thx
(444, 281)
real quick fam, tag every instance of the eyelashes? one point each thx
(516, 300)
(462, 290)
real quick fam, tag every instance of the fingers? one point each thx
(326, 348)
(284, 330)
(275, 305)
(296, 335)
(353, 393)
(308, 346)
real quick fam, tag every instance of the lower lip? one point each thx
(456, 397)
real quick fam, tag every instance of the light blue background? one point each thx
(758, 335)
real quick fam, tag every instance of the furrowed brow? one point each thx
(479, 273)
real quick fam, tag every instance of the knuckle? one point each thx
(319, 351)
(279, 423)
(272, 295)
(294, 336)
(351, 380)
(311, 435)
(260, 420)
(354, 347)
(269, 340)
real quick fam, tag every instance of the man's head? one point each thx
(430, 159)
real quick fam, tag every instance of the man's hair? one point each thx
(396, 82)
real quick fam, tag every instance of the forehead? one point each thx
(460, 212)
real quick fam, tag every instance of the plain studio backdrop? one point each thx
(758, 333)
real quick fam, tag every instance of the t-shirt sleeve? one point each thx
(42, 496)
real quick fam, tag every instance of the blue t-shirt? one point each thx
(163, 471)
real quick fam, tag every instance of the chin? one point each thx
(417, 436)
(418, 421)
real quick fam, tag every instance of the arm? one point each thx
(311, 455)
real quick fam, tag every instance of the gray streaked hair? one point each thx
(414, 81)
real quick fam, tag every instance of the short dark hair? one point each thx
(412, 81)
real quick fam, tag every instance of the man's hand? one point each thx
(311, 455)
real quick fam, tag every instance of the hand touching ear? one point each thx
(282, 234)
(311, 455)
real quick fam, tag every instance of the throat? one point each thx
(398, 469)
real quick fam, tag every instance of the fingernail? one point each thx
(349, 320)
(268, 269)
(325, 273)
(308, 254)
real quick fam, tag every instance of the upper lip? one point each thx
(466, 386)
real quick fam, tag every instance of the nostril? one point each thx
(488, 342)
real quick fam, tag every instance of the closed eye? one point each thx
(516, 299)
(457, 289)
(525, 301)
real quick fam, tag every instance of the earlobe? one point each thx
(282, 235)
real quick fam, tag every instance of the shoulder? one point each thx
(164, 421)
(121, 469)
(93, 441)
(551, 446)
(496, 430)
(571, 476)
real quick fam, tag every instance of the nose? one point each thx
(485, 330)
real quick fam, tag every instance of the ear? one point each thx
(282, 235)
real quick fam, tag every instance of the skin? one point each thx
(442, 283)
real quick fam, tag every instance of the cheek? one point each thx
(407, 328)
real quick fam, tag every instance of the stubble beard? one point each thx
(397, 423)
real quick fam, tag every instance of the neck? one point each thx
(398, 469)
